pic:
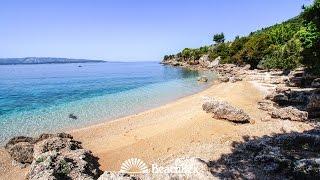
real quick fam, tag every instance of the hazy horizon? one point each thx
(129, 31)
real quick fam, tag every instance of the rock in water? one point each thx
(72, 116)
(223, 110)
(203, 79)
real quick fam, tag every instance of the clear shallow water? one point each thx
(39, 98)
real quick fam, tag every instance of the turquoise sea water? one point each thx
(39, 98)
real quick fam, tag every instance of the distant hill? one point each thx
(43, 60)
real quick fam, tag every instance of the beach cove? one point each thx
(179, 129)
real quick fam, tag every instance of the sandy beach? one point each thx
(180, 129)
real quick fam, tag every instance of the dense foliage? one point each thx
(310, 36)
(287, 45)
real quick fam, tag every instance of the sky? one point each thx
(129, 30)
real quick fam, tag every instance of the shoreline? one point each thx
(179, 129)
(113, 120)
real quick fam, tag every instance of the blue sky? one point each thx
(129, 30)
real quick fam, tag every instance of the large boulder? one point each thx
(223, 110)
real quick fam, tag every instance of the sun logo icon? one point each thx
(134, 166)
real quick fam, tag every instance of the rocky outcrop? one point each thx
(301, 78)
(223, 110)
(54, 156)
(204, 61)
(21, 149)
(286, 97)
(215, 62)
(298, 102)
(289, 113)
(282, 156)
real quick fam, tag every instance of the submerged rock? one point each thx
(72, 116)
(223, 110)
(203, 79)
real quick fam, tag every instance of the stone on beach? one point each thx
(289, 113)
(223, 79)
(223, 110)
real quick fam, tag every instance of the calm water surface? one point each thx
(39, 98)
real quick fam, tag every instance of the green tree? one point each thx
(219, 38)
(255, 49)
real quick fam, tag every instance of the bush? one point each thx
(284, 56)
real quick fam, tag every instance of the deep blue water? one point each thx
(39, 98)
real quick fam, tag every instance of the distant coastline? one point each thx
(45, 60)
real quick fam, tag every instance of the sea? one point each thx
(49, 98)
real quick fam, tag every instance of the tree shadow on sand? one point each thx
(279, 156)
